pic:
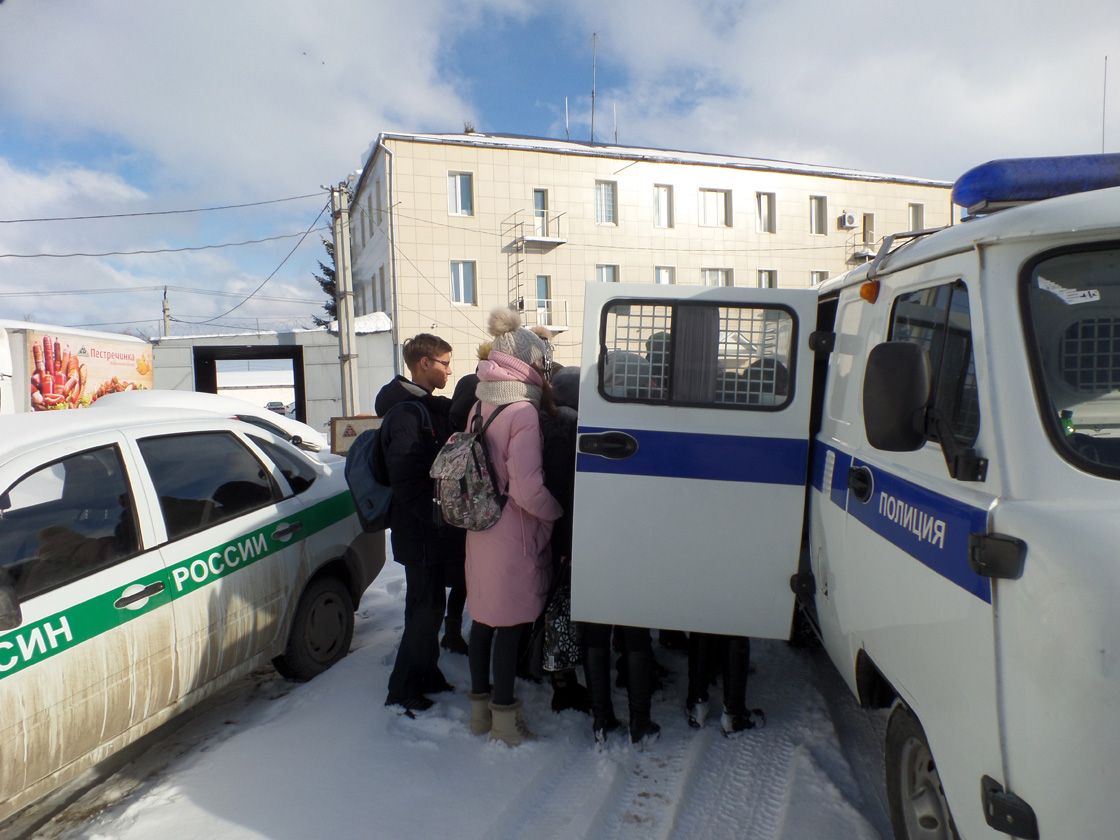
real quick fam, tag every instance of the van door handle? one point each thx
(613, 445)
(861, 483)
(146, 592)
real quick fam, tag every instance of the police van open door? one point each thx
(691, 463)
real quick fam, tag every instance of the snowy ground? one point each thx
(272, 759)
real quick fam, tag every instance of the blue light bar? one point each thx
(1002, 183)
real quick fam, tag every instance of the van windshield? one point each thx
(1073, 311)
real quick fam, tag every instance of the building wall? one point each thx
(173, 364)
(429, 237)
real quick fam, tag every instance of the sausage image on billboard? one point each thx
(65, 378)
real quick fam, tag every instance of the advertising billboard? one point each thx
(73, 371)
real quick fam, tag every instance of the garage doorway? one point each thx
(220, 370)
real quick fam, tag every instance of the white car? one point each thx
(146, 560)
(304, 436)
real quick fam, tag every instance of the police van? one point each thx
(922, 455)
(149, 557)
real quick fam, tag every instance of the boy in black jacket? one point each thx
(411, 439)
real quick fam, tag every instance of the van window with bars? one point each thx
(684, 353)
(938, 319)
(1073, 327)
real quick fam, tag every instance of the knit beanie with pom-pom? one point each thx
(509, 373)
(513, 339)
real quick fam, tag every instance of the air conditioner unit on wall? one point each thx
(846, 220)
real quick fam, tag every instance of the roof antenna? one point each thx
(594, 47)
(615, 106)
(567, 133)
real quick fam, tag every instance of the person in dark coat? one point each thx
(423, 545)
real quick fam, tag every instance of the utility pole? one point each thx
(344, 298)
(166, 315)
(594, 49)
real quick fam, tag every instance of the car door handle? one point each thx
(861, 483)
(613, 445)
(146, 592)
(287, 531)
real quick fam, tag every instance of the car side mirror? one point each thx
(11, 616)
(896, 391)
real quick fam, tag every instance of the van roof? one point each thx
(1085, 213)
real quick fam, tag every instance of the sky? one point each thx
(109, 107)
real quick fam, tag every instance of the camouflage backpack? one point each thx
(466, 488)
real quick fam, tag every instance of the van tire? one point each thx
(322, 628)
(919, 810)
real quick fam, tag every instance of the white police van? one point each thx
(149, 557)
(925, 454)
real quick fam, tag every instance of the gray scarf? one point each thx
(503, 393)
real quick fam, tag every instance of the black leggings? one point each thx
(504, 641)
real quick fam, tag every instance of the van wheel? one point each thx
(321, 630)
(919, 810)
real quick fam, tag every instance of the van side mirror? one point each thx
(896, 391)
(11, 616)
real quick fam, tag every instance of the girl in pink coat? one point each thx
(508, 565)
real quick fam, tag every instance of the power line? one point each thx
(310, 228)
(160, 212)
(183, 289)
(170, 250)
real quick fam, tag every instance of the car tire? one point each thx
(919, 809)
(322, 628)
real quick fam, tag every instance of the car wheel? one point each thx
(321, 630)
(919, 809)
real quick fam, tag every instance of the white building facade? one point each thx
(445, 227)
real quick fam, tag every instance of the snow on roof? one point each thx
(374, 322)
(572, 147)
(54, 329)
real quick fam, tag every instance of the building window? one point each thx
(715, 208)
(767, 278)
(662, 206)
(818, 214)
(767, 213)
(460, 198)
(664, 275)
(917, 217)
(606, 273)
(606, 202)
(370, 221)
(462, 283)
(817, 277)
(540, 212)
(715, 276)
(379, 296)
(377, 203)
(544, 299)
(868, 228)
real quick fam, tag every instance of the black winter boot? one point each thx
(567, 693)
(597, 668)
(453, 641)
(640, 670)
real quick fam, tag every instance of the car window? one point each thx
(205, 478)
(938, 319)
(296, 470)
(697, 354)
(65, 520)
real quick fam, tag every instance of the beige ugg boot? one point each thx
(480, 713)
(508, 725)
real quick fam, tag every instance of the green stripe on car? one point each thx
(31, 644)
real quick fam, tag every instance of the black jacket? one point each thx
(559, 460)
(409, 451)
(462, 401)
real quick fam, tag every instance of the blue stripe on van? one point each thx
(930, 527)
(759, 460)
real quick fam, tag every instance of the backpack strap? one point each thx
(478, 430)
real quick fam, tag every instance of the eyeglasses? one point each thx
(446, 365)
